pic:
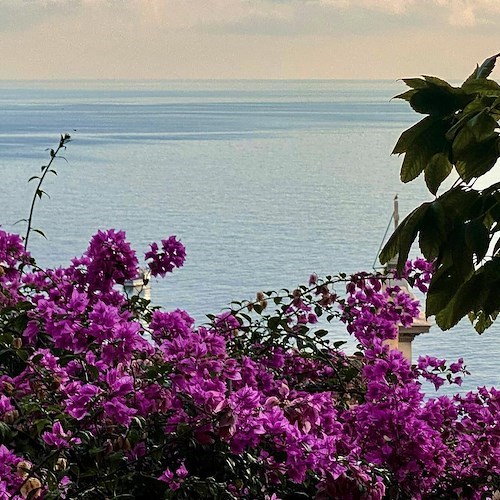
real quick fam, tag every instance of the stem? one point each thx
(53, 155)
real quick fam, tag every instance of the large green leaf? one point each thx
(437, 170)
(464, 140)
(421, 145)
(477, 159)
(483, 126)
(483, 87)
(477, 238)
(409, 136)
(466, 299)
(433, 230)
(461, 120)
(458, 201)
(478, 295)
(403, 237)
(461, 226)
(435, 101)
(462, 255)
(482, 321)
(441, 289)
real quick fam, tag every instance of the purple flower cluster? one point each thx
(419, 272)
(91, 407)
(171, 255)
(12, 254)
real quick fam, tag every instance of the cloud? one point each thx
(276, 17)
(243, 38)
(323, 17)
(472, 13)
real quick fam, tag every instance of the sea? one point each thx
(264, 181)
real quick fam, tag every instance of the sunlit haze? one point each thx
(284, 39)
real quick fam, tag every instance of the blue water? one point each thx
(264, 182)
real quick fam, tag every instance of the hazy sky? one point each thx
(54, 39)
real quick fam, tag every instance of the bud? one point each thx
(9, 417)
(56, 382)
(17, 343)
(122, 443)
(61, 464)
(23, 468)
(31, 485)
(8, 388)
(296, 293)
(260, 296)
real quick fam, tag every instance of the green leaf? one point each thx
(478, 159)
(459, 306)
(482, 87)
(437, 170)
(438, 99)
(482, 321)
(478, 294)
(401, 240)
(415, 83)
(409, 136)
(438, 82)
(22, 354)
(321, 333)
(477, 238)
(483, 71)
(482, 125)
(486, 68)
(406, 96)
(433, 230)
(40, 232)
(422, 147)
(456, 247)
(463, 118)
(441, 290)
(37, 358)
(464, 139)
(273, 323)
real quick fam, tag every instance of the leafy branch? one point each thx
(458, 229)
(38, 191)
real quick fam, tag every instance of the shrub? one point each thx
(104, 396)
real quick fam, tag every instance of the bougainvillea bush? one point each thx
(104, 396)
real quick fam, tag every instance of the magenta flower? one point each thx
(174, 479)
(58, 438)
(109, 259)
(171, 255)
(119, 412)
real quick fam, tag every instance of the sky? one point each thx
(245, 39)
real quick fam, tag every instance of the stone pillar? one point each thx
(140, 286)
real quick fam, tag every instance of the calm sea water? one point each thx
(264, 182)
